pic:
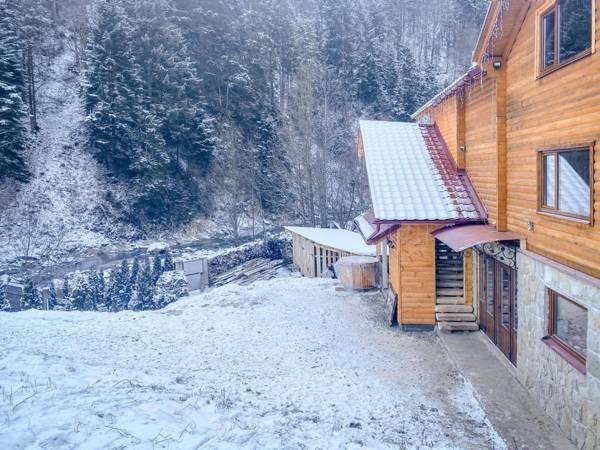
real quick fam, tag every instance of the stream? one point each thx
(107, 259)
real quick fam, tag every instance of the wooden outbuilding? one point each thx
(316, 250)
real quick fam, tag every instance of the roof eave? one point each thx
(429, 221)
(486, 31)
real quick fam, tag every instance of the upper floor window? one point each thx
(566, 182)
(566, 30)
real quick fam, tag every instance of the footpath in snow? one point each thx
(284, 363)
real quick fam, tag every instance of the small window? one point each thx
(566, 33)
(567, 329)
(566, 182)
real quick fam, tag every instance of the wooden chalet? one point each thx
(487, 209)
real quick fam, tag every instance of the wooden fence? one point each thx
(314, 259)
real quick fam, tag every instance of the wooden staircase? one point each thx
(451, 312)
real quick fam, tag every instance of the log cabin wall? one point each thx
(559, 109)
(445, 116)
(468, 118)
(412, 273)
(480, 142)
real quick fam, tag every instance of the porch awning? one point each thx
(459, 238)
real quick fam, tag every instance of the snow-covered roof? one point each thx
(365, 227)
(344, 240)
(412, 176)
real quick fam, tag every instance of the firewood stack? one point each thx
(249, 272)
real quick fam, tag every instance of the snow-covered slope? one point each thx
(63, 204)
(285, 363)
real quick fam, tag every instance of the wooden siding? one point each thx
(445, 116)
(559, 109)
(395, 263)
(480, 142)
(415, 274)
(314, 259)
(501, 151)
(468, 276)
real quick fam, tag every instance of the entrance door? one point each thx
(498, 305)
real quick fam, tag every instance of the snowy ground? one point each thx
(285, 363)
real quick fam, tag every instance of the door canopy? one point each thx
(462, 237)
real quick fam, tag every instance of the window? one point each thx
(567, 329)
(566, 182)
(566, 33)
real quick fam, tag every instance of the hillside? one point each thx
(130, 120)
(63, 207)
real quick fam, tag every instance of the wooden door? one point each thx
(487, 297)
(498, 305)
(503, 304)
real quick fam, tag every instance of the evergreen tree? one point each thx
(157, 270)
(123, 288)
(110, 293)
(96, 284)
(169, 263)
(110, 89)
(170, 85)
(81, 292)
(66, 293)
(4, 302)
(144, 289)
(32, 298)
(52, 299)
(13, 135)
(134, 271)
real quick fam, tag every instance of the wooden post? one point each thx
(384, 266)
(501, 145)
(460, 130)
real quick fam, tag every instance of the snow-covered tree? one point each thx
(157, 270)
(66, 294)
(32, 298)
(52, 299)
(110, 89)
(170, 286)
(13, 134)
(4, 302)
(97, 287)
(81, 292)
(122, 287)
(169, 263)
(144, 289)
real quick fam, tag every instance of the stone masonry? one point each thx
(571, 398)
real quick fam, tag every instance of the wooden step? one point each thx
(458, 326)
(455, 317)
(465, 309)
(450, 292)
(449, 269)
(443, 284)
(453, 275)
(450, 301)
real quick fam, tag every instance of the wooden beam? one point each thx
(486, 31)
(460, 130)
(501, 146)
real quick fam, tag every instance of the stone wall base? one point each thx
(570, 397)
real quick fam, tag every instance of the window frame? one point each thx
(554, 8)
(572, 356)
(541, 170)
